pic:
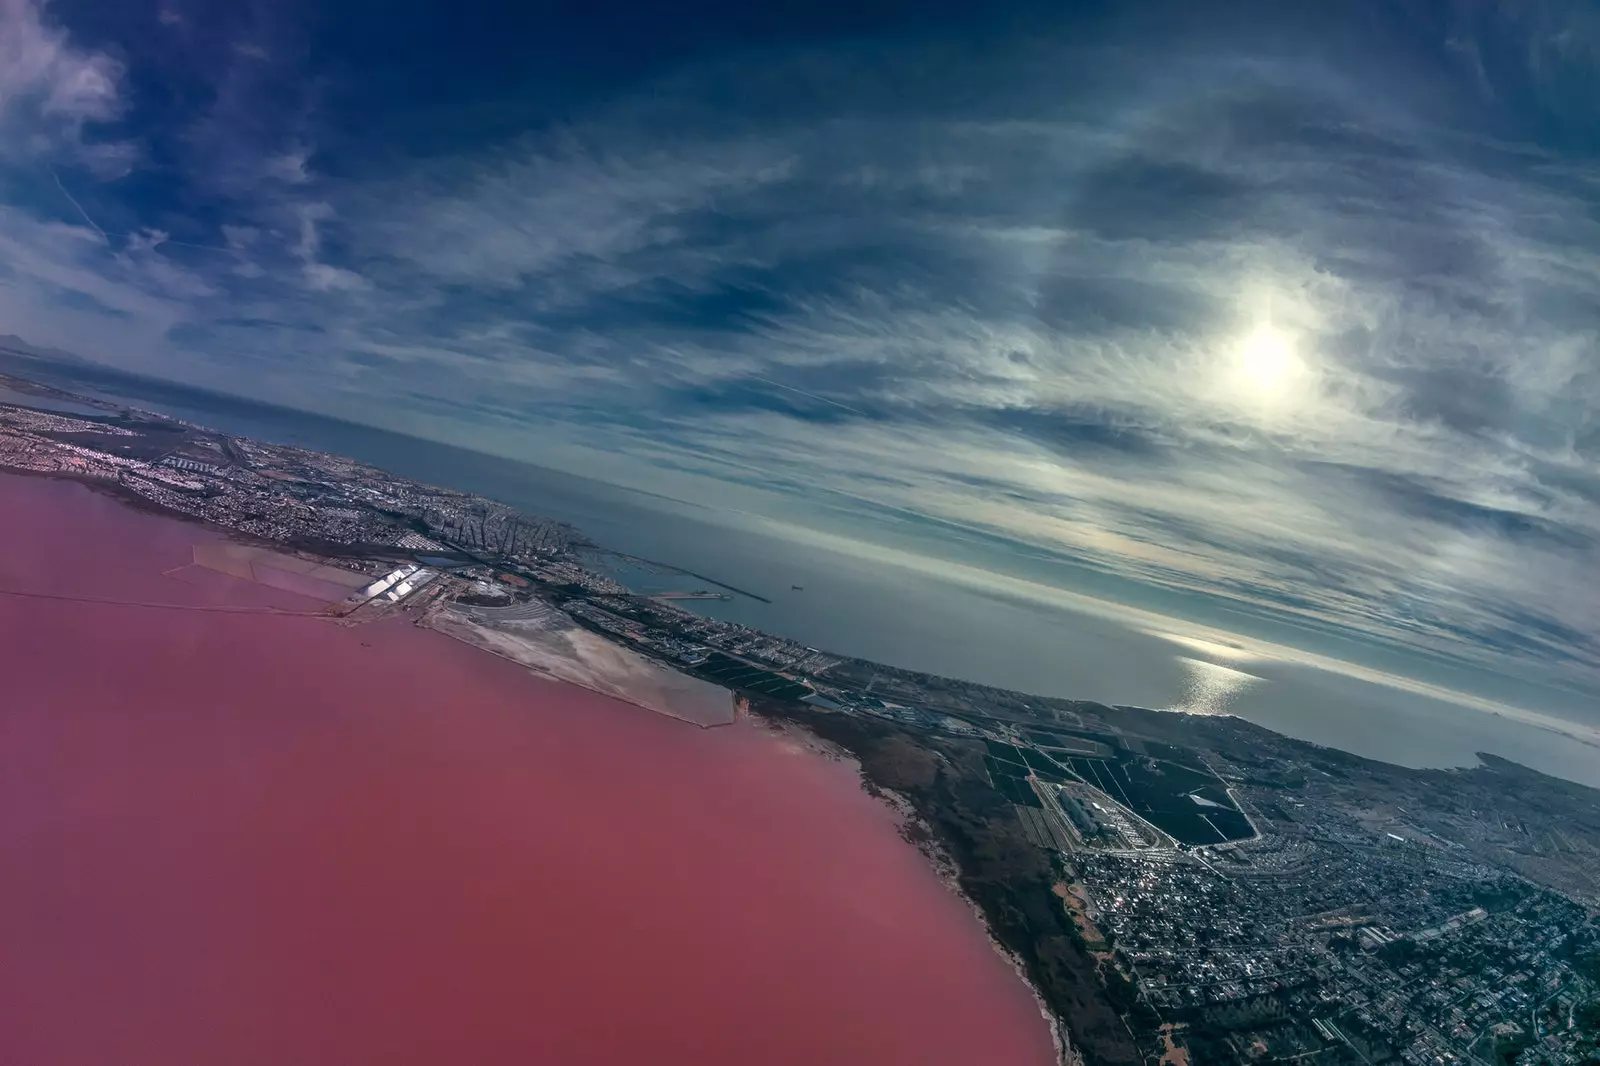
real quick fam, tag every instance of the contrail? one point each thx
(128, 236)
(191, 244)
(812, 395)
(179, 244)
(93, 224)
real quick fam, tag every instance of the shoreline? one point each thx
(915, 831)
(133, 501)
(115, 490)
(427, 622)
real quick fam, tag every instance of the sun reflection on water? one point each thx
(1211, 689)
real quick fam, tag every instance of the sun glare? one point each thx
(1266, 366)
(1212, 649)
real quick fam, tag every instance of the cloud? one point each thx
(325, 278)
(992, 304)
(41, 66)
(320, 276)
(50, 90)
(291, 167)
(538, 206)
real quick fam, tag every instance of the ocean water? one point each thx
(259, 839)
(916, 620)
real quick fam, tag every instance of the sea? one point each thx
(842, 602)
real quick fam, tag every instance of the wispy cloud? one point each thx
(51, 90)
(1282, 337)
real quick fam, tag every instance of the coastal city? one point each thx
(1179, 889)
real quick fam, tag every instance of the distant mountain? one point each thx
(12, 344)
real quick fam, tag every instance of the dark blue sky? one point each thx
(1281, 309)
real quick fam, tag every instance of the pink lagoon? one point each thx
(261, 839)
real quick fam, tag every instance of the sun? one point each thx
(1266, 367)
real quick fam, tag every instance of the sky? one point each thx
(1278, 316)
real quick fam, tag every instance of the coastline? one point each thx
(976, 845)
(132, 500)
(915, 831)
(473, 638)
